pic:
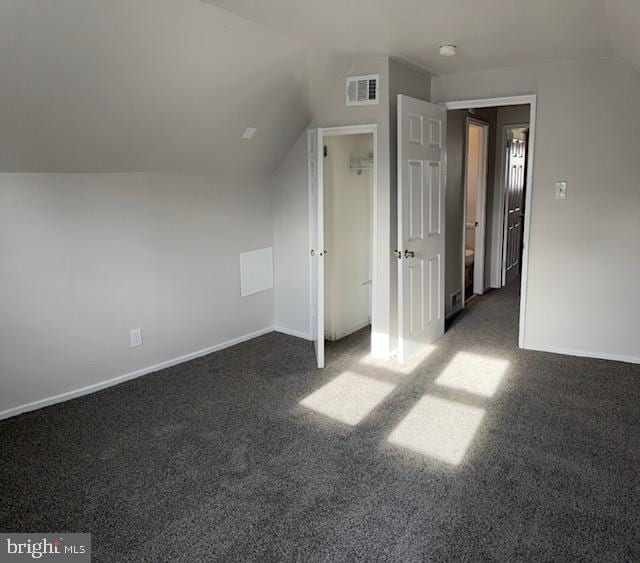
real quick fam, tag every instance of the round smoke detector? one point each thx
(448, 50)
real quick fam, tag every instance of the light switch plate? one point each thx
(135, 337)
(561, 190)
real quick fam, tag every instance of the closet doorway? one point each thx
(342, 232)
(348, 234)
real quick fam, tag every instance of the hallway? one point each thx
(480, 450)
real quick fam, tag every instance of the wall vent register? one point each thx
(363, 90)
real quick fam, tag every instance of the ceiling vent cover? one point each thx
(363, 90)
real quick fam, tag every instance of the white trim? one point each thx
(131, 375)
(524, 267)
(586, 354)
(291, 332)
(530, 99)
(349, 130)
(377, 300)
(491, 102)
(320, 251)
(311, 236)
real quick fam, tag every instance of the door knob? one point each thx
(409, 254)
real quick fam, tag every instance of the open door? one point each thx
(316, 240)
(514, 202)
(421, 198)
(475, 200)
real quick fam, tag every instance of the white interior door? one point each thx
(316, 241)
(477, 154)
(514, 212)
(421, 198)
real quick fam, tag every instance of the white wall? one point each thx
(583, 265)
(87, 257)
(291, 242)
(150, 85)
(329, 110)
(348, 237)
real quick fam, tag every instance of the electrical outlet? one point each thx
(561, 190)
(135, 337)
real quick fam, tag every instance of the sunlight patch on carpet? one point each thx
(438, 428)
(348, 398)
(474, 373)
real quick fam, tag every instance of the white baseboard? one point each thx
(585, 354)
(290, 332)
(127, 376)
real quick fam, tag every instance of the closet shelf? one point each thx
(359, 164)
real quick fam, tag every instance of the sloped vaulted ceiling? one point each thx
(489, 33)
(170, 85)
(144, 85)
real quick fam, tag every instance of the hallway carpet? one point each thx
(479, 451)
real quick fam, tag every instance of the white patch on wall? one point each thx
(256, 271)
(249, 132)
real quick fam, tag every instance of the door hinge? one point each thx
(326, 151)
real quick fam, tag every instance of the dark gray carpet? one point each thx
(216, 460)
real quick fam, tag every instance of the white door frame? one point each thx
(481, 210)
(531, 100)
(375, 270)
(316, 314)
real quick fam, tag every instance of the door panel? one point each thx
(421, 180)
(316, 241)
(416, 207)
(435, 197)
(416, 283)
(434, 290)
(514, 212)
